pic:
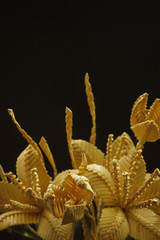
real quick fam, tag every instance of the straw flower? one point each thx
(145, 123)
(126, 197)
(33, 197)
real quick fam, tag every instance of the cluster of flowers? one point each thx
(110, 193)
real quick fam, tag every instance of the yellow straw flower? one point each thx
(145, 123)
(35, 198)
(126, 197)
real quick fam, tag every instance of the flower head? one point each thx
(35, 198)
(127, 198)
(145, 123)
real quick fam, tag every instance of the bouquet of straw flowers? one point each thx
(107, 195)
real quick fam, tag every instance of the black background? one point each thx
(46, 51)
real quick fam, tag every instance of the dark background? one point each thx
(46, 51)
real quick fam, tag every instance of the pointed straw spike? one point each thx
(116, 178)
(2, 174)
(35, 182)
(153, 176)
(16, 181)
(108, 157)
(45, 147)
(23, 206)
(24, 134)
(126, 188)
(69, 124)
(146, 204)
(91, 104)
(83, 165)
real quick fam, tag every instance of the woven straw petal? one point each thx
(113, 224)
(73, 213)
(93, 154)
(9, 191)
(127, 147)
(51, 228)
(152, 192)
(27, 160)
(147, 131)
(136, 167)
(18, 217)
(139, 110)
(154, 112)
(144, 224)
(101, 183)
(59, 179)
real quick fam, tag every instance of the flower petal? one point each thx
(93, 154)
(154, 112)
(51, 228)
(45, 147)
(8, 191)
(59, 179)
(28, 160)
(144, 224)
(139, 110)
(136, 167)
(123, 144)
(152, 192)
(146, 131)
(101, 183)
(113, 224)
(73, 213)
(18, 217)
